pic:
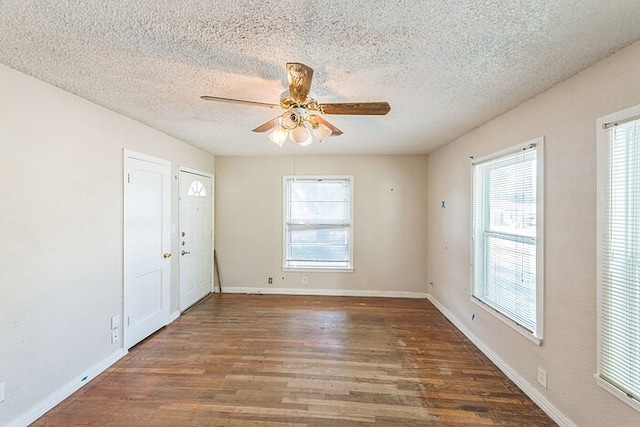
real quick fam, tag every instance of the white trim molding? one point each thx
(322, 292)
(65, 391)
(174, 316)
(537, 397)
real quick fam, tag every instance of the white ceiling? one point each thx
(445, 67)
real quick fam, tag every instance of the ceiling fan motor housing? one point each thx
(293, 118)
(289, 120)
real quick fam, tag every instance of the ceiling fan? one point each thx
(302, 117)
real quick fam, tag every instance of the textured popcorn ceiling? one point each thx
(445, 67)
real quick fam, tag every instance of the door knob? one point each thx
(185, 252)
(166, 255)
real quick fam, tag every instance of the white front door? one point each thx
(195, 242)
(147, 246)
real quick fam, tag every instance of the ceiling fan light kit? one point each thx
(296, 123)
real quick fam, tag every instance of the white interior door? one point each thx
(147, 246)
(196, 237)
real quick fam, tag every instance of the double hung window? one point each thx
(507, 230)
(619, 255)
(318, 217)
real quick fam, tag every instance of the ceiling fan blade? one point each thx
(357, 108)
(299, 76)
(318, 119)
(239, 101)
(268, 125)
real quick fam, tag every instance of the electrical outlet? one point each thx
(270, 280)
(2, 392)
(304, 280)
(542, 377)
(115, 336)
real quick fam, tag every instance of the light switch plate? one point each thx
(115, 321)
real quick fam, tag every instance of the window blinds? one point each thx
(620, 262)
(504, 235)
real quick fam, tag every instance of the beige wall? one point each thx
(61, 159)
(389, 226)
(566, 116)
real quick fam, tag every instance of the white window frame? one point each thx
(603, 125)
(535, 336)
(285, 197)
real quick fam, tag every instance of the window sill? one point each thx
(504, 319)
(319, 269)
(617, 392)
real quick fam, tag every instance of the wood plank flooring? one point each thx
(273, 360)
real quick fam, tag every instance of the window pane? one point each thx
(320, 235)
(510, 279)
(319, 212)
(512, 199)
(319, 253)
(319, 190)
(197, 189)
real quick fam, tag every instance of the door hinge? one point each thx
(128, 321)
(128, 178)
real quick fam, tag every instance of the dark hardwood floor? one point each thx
(270, 360)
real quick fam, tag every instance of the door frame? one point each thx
(212, 207)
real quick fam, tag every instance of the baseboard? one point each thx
(65, 391)
(174, 316)
(322, 292)
(522, 383)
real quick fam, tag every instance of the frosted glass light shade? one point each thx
(279, 135)
(301, 136)
(308, 141)
(321, 131)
